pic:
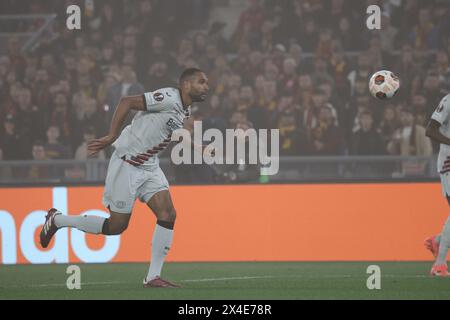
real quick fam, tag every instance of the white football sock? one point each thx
(161, 243)
(444, 244)
(89, 224)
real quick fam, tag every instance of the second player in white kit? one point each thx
(439, 130)
(442, 116)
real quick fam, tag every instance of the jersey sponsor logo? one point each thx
(172, 125)
(158, 96)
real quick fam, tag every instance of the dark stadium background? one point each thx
(300, 66)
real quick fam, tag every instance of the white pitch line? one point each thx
(230, 278)
(49, 285)
(45, 285)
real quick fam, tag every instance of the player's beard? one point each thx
(199, 97)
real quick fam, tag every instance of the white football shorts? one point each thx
(126, 183)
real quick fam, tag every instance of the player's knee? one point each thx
(119, 229)
(168, 215)
(113, 228)
(172, 214)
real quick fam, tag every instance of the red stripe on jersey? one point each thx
(147, 155)
(133, 163)
(142, 157)
(137, 160)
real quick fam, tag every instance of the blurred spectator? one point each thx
(410, 138)
(5, 172)
(88, 116)
(432, 88)
(443, 67)
(29, 119)
(54, 149)
(242, 170)
(389, 34)
(362, 70)
(127, 87)
(214, 117)
(292, 139)
(11, 142)
(194, 173)
(326, 138)
(37, 172)
(247, 104)
(288, 80)
(40, 88)
(60, 116)
(389, 124)
(425, 33)
(82, 151)
(158, 76)
(366, 140)
(249, 25)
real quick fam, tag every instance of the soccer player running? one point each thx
(134, 172)
(439, 130)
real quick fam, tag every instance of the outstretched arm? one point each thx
(125, 105)
(435, 134)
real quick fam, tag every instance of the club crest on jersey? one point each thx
(158, 96)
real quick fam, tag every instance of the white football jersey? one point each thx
(442, 115)
(150, 131)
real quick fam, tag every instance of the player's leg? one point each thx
(155, 193)
(162, 206)
(114, 225)
(55, 220)
(432, 243)
(441, 242)
(440, 265)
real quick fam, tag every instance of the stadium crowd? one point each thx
(301, 66)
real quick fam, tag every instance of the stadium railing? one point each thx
(291, 170)
(28, 39)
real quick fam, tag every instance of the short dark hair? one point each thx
(39, 143)
(367, 113)
(188, 73)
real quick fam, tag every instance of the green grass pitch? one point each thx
(227, 281)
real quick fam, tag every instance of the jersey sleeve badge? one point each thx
(158, 96)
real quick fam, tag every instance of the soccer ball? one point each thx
(384, 85)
